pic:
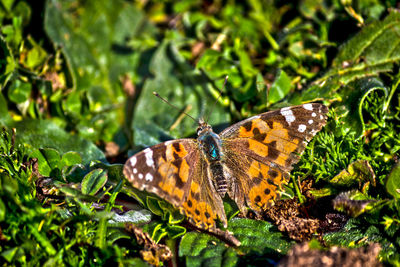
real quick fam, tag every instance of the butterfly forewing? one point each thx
(263, 149)
(165, 169)
(176, 171)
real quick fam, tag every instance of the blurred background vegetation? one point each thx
(76, 85)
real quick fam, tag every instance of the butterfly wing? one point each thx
(175, 171)
(262, 150)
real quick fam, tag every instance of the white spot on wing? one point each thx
(149, 177)
(140, 176)
(302, 128)
(308, 106)
(288, 114)
(167, 143)
(313, 114)
(310, 121)
(133, 161)
(134, 170)
(148, 153)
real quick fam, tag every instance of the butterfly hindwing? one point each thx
(203, 204)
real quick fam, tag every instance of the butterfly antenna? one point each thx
(216, 101)
(166, 101)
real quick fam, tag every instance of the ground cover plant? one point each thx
(77, 81)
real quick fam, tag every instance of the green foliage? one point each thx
(393, 182)
(259, 240)
(77, 78)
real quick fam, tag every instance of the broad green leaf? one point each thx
(201, 249)
(372, 51)
(155, 121)
(280, 88)
(216, 65)
(98, 54)
(153, 204)
(35, 56)
(48, 161)
(45, 134)
(231, 209)
(259, 236)
(71, 158)
(19, 91)
(353, 100)
(93, 182)
(393, 182)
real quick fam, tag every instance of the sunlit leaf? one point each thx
(393, 182)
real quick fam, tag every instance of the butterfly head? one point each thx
(203, 127)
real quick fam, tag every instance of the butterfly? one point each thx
(249, 161)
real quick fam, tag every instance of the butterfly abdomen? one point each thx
(219, 178)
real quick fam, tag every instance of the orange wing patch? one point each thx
(199, 212)
(175, 171)
(269, 140)
(265, 184)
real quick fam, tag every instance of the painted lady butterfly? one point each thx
(249, 161)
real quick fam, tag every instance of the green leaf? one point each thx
(154, 121)
(357, 172)
(259, 236)
(98, 53)
(353, 101)
(153, 204)
(93, 182)
(71, 158)
(368, 53)
(19, 91)
(45, 134)
(175, 231)
(35, 56)
(205, 250)
(48, 160)
(355, 203)
(5, 118)
(7, 63)
(393, 182)
(353, 234)
(256, 237)
(10, 253)
(280, 87)
(2, 210)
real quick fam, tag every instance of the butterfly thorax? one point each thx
(211, 146)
